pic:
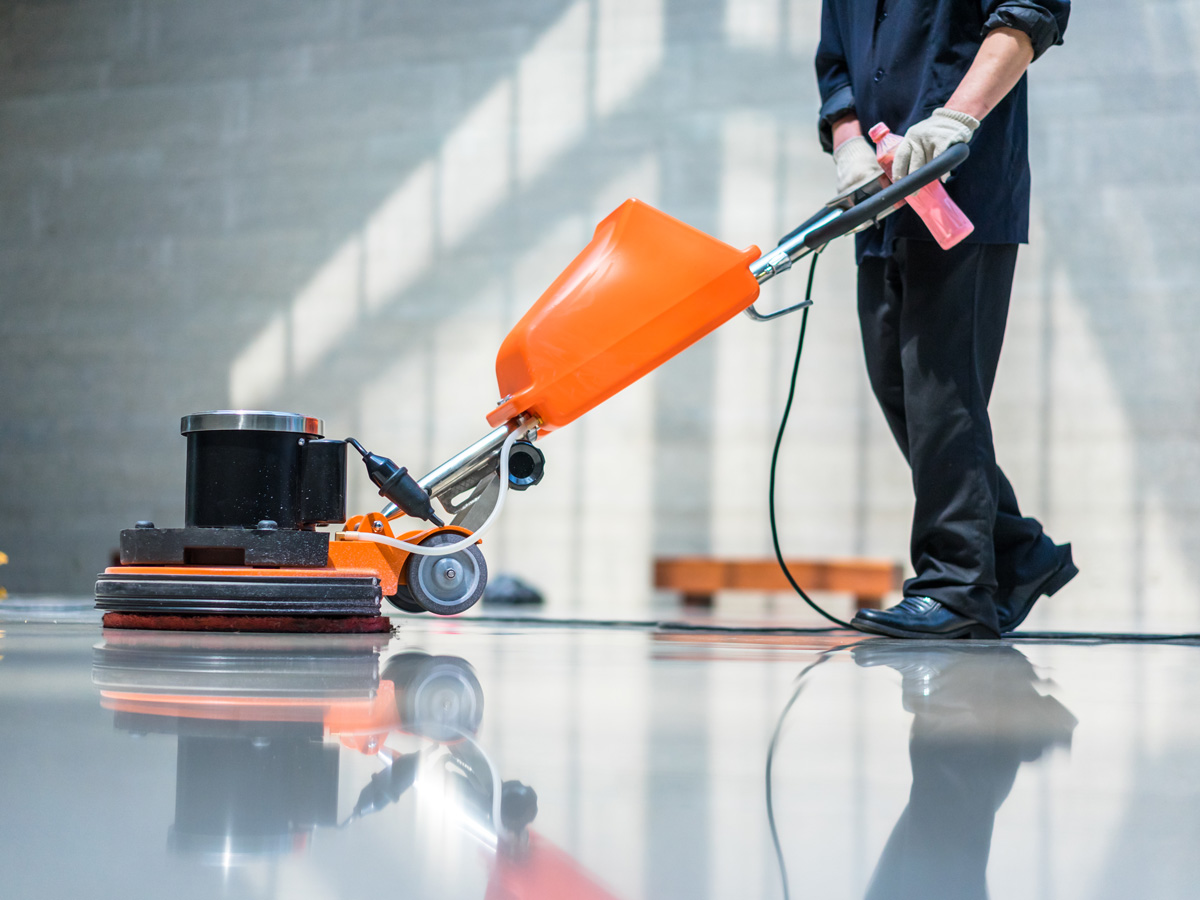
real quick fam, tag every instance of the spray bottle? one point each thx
(941, 215)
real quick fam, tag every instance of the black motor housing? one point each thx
(258, 485)
(245, 467)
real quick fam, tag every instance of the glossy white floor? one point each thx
(169, 765)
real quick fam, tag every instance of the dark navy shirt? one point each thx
(896, 61)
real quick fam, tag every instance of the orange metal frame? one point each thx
(349, 559)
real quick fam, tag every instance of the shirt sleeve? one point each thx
(833, 78)
(1043, 20)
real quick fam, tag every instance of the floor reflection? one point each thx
(261, 722)
(312, 767)
(977, 716)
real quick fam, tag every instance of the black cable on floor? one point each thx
(675, 625)
(1103, 637)
(654, 624)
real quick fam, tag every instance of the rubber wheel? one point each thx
(403, 600)
(446, 585)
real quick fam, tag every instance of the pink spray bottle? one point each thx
(941, 215)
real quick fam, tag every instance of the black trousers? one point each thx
(932, 327)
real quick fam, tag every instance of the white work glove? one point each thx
(930, 138)
(856, 165)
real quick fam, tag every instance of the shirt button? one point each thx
(878, 75)
(882, 16)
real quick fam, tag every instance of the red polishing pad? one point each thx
(293, 624)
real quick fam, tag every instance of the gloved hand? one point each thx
(931, 138)
(856, 165)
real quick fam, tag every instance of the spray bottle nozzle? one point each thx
(397, 485)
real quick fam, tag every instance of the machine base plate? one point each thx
(183, 601)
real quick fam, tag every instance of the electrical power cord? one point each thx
(783, 422)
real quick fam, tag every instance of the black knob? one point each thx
(518, 805)
(526, 466)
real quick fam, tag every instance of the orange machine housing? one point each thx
(645, 288)
(362, 559)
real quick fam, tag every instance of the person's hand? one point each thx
(856, 165)
(931, 138)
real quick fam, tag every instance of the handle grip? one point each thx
(834, 222)
(880, 203)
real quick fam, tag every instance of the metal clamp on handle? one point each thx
(834, 222)
(751, 313)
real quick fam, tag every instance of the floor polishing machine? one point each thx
(259, 484)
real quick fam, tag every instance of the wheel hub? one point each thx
(448, 579)
(447, 576)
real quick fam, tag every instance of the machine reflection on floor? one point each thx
(261, 720)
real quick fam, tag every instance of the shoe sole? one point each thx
(1054, 582)
(974, 631)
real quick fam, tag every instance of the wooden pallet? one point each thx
(698, 578)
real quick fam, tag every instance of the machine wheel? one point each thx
(446, 585)
(403, 600)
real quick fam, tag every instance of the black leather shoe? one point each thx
(920, 617)
(1013, 604)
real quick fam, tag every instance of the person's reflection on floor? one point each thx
(976, 717)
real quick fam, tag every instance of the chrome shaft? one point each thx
(469, 461)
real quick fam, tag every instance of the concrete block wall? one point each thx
(341, 207)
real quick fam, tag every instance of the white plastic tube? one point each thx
(447, 549)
